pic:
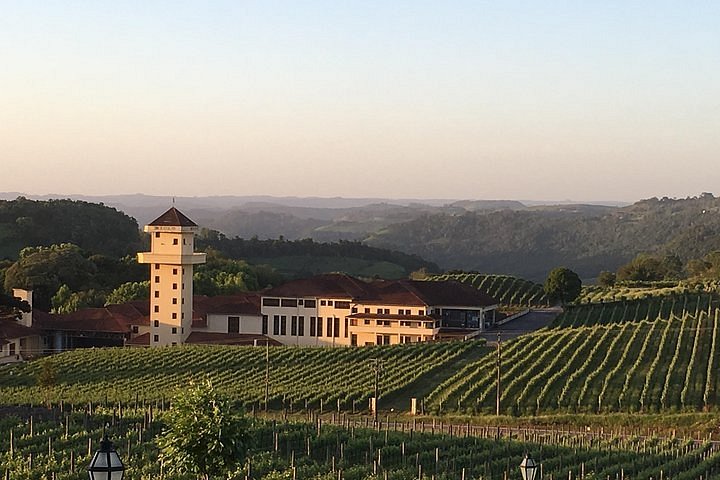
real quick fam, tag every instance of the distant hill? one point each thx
(93, 227)
(531, 242)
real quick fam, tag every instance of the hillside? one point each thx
(531, 242)
(93, 227)
(506, 289)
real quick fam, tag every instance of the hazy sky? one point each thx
(583, 100)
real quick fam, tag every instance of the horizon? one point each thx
(521, 99)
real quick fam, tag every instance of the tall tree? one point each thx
(563, 285)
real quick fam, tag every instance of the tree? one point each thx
(606, 279)
(206, 434)
(562, 284)
(127, 292)
(11, 307)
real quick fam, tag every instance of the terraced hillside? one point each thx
(508, 290)
(298, 377)
(640, 366)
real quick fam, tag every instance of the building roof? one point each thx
(139, 341)
(173, 218)
(328, 285)
(385, 292)
(11, 329)
(240, 304)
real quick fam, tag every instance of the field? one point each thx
(58, 443)
(506, 289)
(299, 378)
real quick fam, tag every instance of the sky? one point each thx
(583, 100)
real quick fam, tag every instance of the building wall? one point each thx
(218, 323)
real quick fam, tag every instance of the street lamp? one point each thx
(106, 463)
(528, 468)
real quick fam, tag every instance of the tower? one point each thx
(171, 258)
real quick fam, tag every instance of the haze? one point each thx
(607, 100)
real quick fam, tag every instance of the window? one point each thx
(366, 321)
(174, 286)
(276, 324)
(157, 279)
(367, 310)
(353, 322)
(156, 308)
(182, 315)
(379, 310)
(312, 326)
(288, 302)
(135, 329)
(336, 327)
(233, 324)
(174, 301)
(12, 348)
(264, 324)
(184, 241)
(354, 310)
(156, 323)
(174, 316)
(319, 326)
(293, 325)
(323, 303)
(174, 330)
(353, 340)
(342, 305)
(346, 328)
(175, 241)
(301, 326)
(271, 302)
(310, 303)
(156, 338)
(330, 303)
(329, 326)
(174, 271)
(157, 294)
(387, 311)
(157, 234)
(174, 344)
(157, 266)
(283, 325)
(182, 330)
(421, 312)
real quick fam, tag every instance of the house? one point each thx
(336, 309)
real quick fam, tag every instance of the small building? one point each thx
(19, 339)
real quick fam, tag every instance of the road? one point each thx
(534, 320)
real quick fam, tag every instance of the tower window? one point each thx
(174, 330)
(157, 234)
(174, 271)
(156, 309)
(157, 266)
(157, 278)
(174, 301)
(157, 294)
(184, 242)
(174, 286)
(174, 316)
(156, 338)
(156, 323)
(175, 241)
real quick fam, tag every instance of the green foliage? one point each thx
(93, 227)
(206, 434)
(506, 289)
(47, 376)
(66, 301)
(224, 276)
(11, 307)
(646, 267)
(299, 258)
(299, 376)
(127, 292)
(562, 284)
(606, 279)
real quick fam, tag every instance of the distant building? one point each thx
(324, 310)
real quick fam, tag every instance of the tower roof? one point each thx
(173, 218)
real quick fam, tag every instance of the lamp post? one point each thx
(106, 463)
(528, 468)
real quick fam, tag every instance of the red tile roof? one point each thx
(173, 218)
(139, 341)
(11, 329)
(400, 292)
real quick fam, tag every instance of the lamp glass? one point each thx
(528, 468)
(106, 463)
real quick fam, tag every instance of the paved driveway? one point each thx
(534, 320)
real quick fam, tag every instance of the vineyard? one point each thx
(647, 309)
(633, 366)
(339, 378)
(506, 289)
(639, 290)
(58, 443)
